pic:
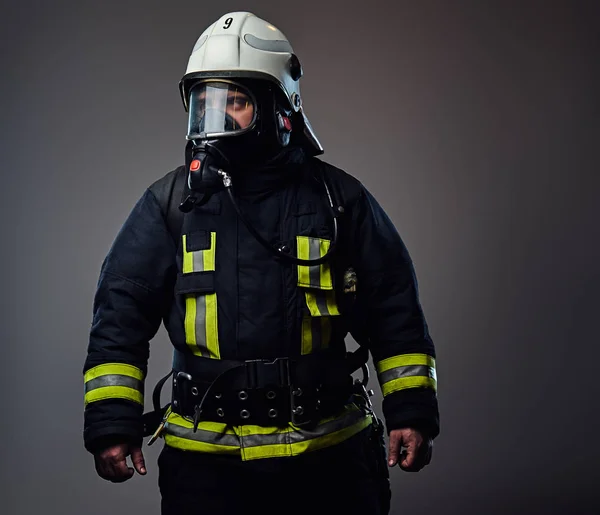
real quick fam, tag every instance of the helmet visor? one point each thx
(219, 108)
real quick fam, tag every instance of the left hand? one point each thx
(418, 449)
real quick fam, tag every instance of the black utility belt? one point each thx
(262, 392)
(256, 406)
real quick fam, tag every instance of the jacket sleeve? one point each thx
(131, 299)
(392, 321)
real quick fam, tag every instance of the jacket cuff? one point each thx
(112, 417)
(416, 408)
(96, 439)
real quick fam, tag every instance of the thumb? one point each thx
(411, 453)
(137, 457)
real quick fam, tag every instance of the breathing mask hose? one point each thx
(278, 252)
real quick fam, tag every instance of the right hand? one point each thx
(111, 463)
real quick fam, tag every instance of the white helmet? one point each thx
(241, 45)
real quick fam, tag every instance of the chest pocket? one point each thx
(316, 283)
(197, 284)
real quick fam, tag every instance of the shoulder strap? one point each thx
(344, 187)
(169, 193)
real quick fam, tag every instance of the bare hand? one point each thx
(418, 450)
(111, 463)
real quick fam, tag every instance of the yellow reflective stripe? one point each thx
(403, 383)
(113, 368)
(404, 360)
(212, 336)
(190, 325)
(303, 253)
(209, 254)
(331, 304)
(306, 335)
(114, 392)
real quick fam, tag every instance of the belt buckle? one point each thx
(283, 372)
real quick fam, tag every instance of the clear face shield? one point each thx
(220, 108)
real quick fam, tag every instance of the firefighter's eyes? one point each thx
(238, 103)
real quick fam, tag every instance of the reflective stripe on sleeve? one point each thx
(114, 381)
(406, 371)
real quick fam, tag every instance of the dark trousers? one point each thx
(349, 478)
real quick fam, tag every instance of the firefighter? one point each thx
(260, 259)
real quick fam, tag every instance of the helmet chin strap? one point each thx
(206, 177)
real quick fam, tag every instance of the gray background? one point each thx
(474, 123)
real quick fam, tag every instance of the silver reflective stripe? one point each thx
(321, 300)
(114, 380)
(200, 325)
(198, 260)
(314, 252)
(302, 435)
(407, 371)
(202, 435)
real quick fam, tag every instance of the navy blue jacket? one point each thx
(220, 294)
